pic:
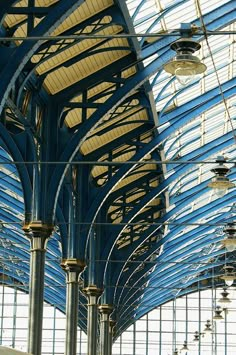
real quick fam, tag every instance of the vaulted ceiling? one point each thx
(87, 108)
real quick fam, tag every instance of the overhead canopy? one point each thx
(87, 90)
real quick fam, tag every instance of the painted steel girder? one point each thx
(182, 239)
(214, 20)
(111, 11)
(171, 280)
(153, 194)
(200, 104)
(90, 52)
(104, 74)
(124, 170)
(117, 194)
(155, 301)
(80, 136)
(155, 292)
(160, 16)
(12, 71)
(173, 275)
(23, 53)
(21, 168)
(129, 27)
(5, 6)
(121, 141)
(112, 100)
(162, 284)
(118, 275)
(169, 215)
(194, 218)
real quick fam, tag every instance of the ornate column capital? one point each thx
(38, 233)
(92, 290)
(38, 227)
(73, 267)
(73, 263)
(105, 309)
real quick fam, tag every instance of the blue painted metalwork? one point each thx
(162, 15)
(123, 171)
(16, 155)
(80, 136)
(194, 216)
(21, 55)
(79, 205)
(153, 194)
(207, 100)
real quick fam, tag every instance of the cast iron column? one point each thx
(105, 310)
(73, 269)
(112, 324)
(38, 234)
(92, 293)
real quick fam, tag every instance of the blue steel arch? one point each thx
(27, 48)
(103, 197)
(180, 241)
(133, 83)
(123, 171)
(162, 186)
(194, 217)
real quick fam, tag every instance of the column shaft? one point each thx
(92, 293)
(110, 336)
(38, 237)
(72, 291)
(73, 269)
(105, 311)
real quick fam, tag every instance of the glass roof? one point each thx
(197, 123)
(175, 215)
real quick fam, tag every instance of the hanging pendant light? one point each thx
(229, 241)
(224, 299)
(218, 315)
(176, 352)
(229, 275)
(185, 347)
(208, 327)
(220, 183)
(196, 336)
(184, 65)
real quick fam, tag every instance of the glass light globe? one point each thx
(185, 75)
(220, 192)
(229, 282)
(230, 247)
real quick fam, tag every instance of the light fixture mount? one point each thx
(185, 46)
(230, 229)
